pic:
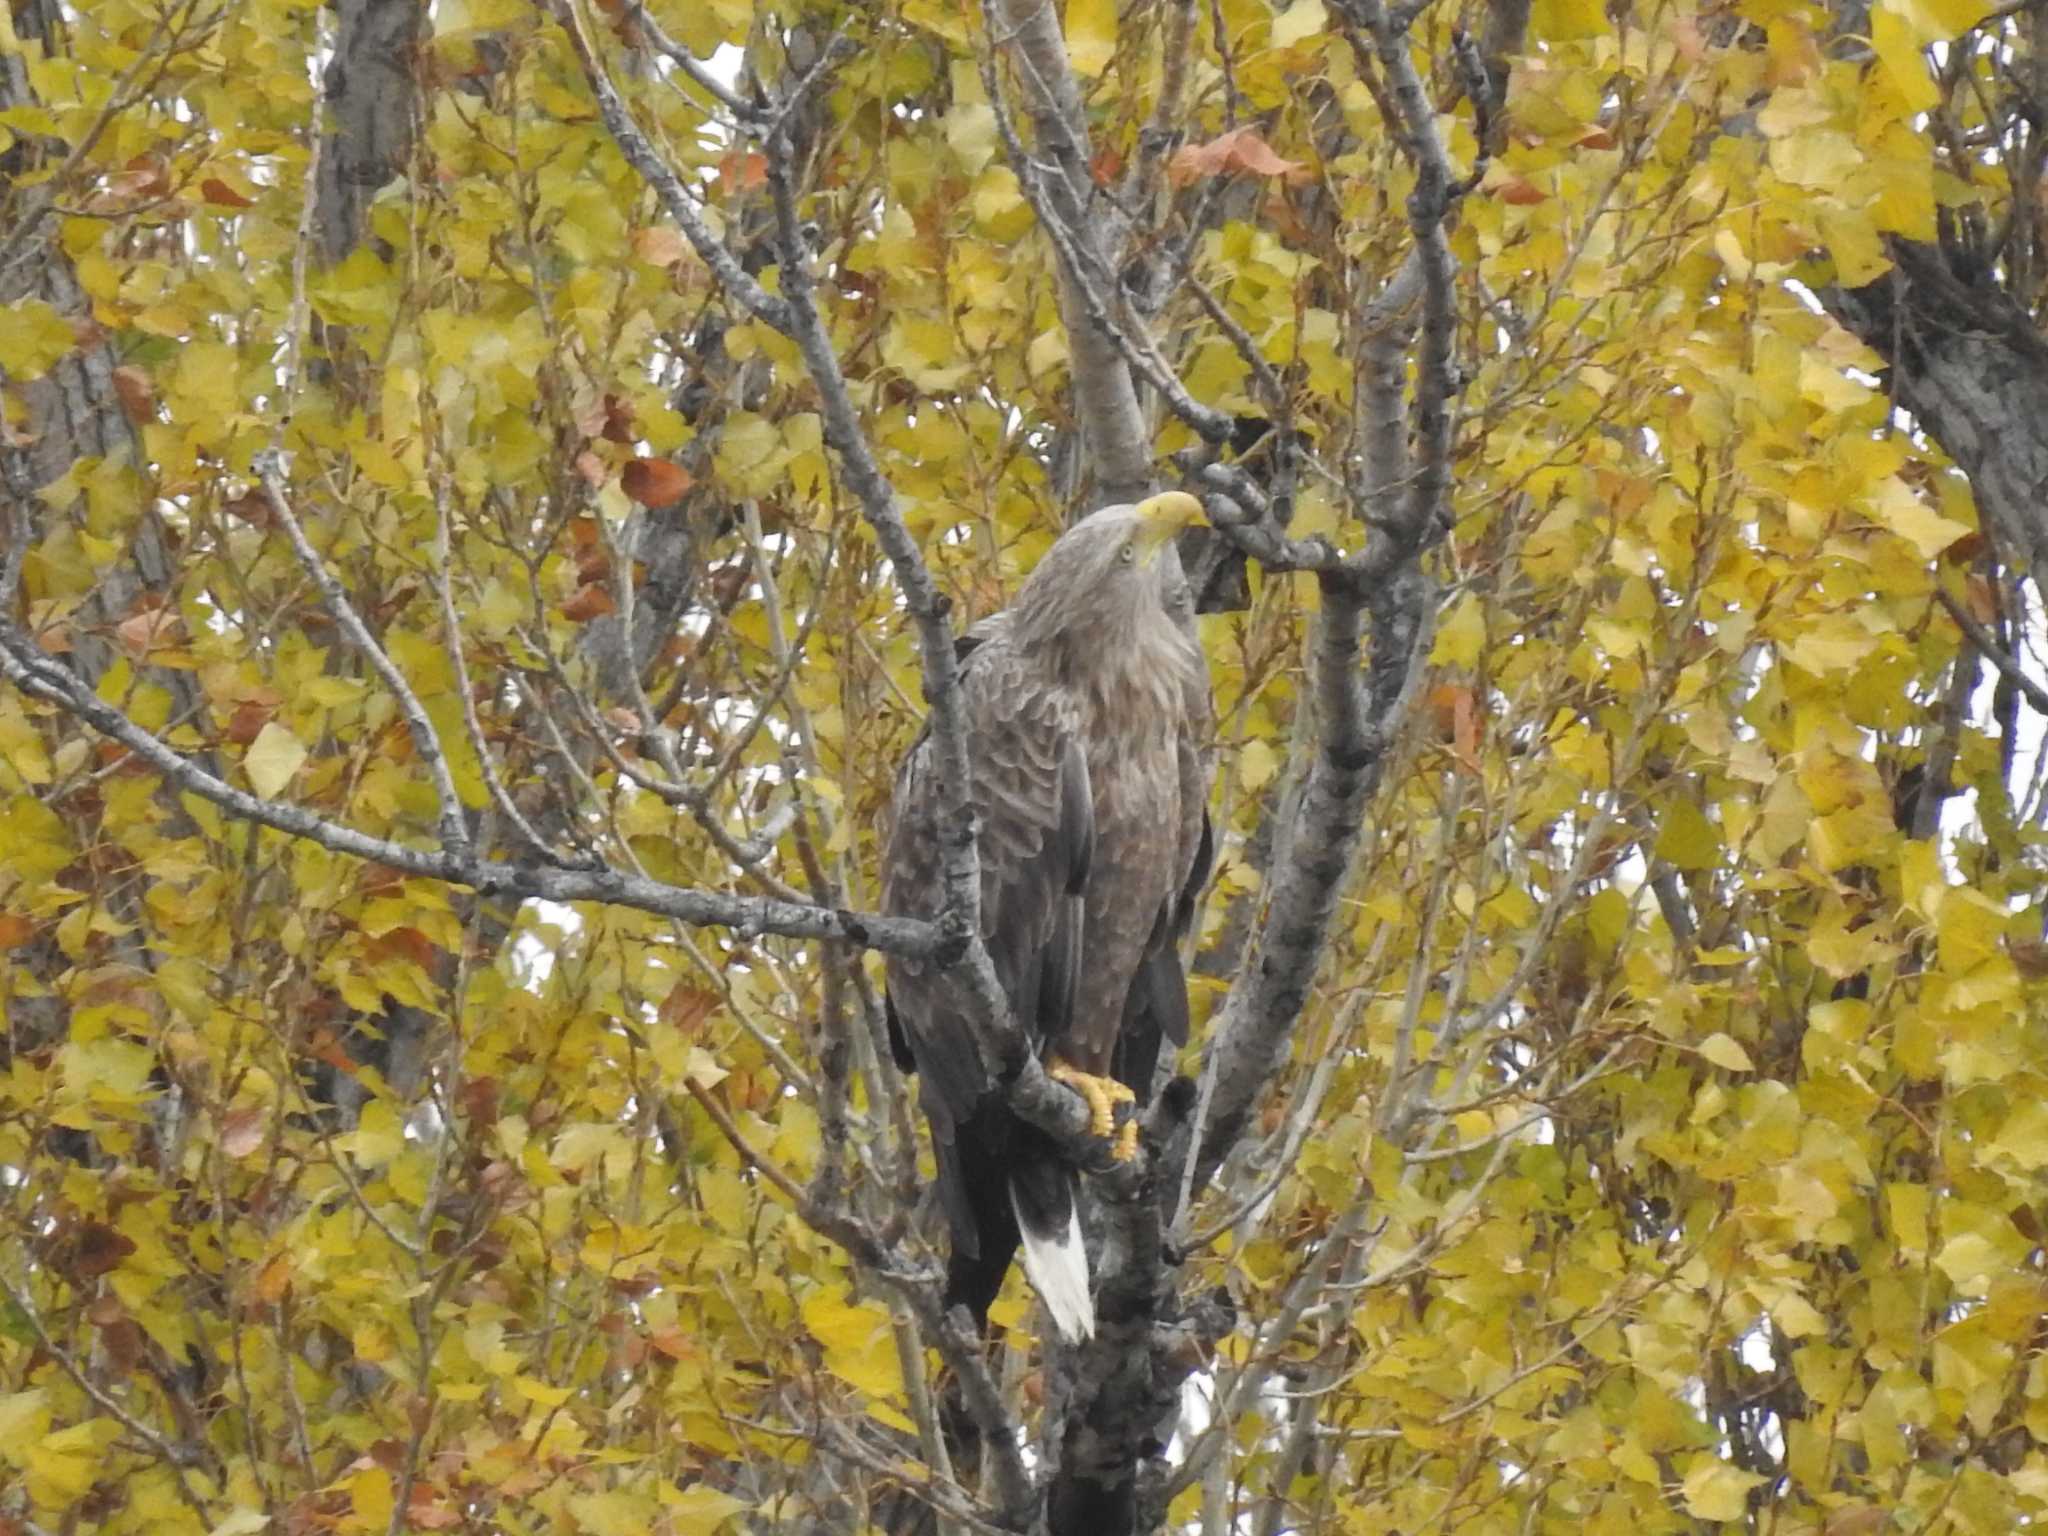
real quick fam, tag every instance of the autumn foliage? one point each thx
(1661, 1145)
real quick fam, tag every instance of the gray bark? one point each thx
(1971, 366)
(372, 94)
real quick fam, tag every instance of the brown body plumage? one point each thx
(1088, 717)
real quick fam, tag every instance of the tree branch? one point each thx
(37, 675)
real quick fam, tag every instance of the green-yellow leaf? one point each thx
(1461, 634)
(1687, 840)
(700, 1509)
(33, 336)
(243, 1522)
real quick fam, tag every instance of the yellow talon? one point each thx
(1103, 1095)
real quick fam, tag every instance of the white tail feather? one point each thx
(1058, 1269)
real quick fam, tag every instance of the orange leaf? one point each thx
(15, 930)
(743, 169)
(686, 1007)
(660, 246)
(150, 629)
(221, 195)
(1980, 600)
(1965, 550)
(674, 1343)
(655, 482)
(591, 601)
(428, 1511)
(252, 507)
(136, 393)
(1241, 149)
(618, 421)
(248, 720)
(1513, 189)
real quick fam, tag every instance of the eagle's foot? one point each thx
(1103, 1094)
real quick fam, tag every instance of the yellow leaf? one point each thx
(369, 1491)
(702, 1068)
(750, 455)
(1968, 1259)
(1566, 20)
(272, 759)
(1303, 19)
(378, 1136)
(1833, 643)
(22, 1417)
(534, 1390)
(1461, 635)
(1724, 1050)
(2023, 1139)
(1898, 50)
(202, 388)
(1687, 839)
(971, 134)
(860, 1345)
(617, 1512)
(1893, 504)
(1048, 350)
(1716, 1491)
(1257, 762)
(371, 1341)
(33, 337)
(243, 1522)
(1790, 110)
(1091, 35)
(1000, 211)
(1820, 157)
(62, 1467)
(1728, 246)
(700, 1509)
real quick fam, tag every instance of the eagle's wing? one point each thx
(1156, 1008)
(1033, 811)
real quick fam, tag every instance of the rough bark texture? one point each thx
(72, 413)
(1113, 428)
(372, 104)
(1972, 367)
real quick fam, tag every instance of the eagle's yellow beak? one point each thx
(1162, 517)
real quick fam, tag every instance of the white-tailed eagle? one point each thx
(1088, 717)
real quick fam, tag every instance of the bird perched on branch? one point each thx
(1088, 719)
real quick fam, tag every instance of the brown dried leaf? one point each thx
(137, 395)
(591, 601)
(242, 1130)
(97, 1248)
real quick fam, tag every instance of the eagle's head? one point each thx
(1114, 570)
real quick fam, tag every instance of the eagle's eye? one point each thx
(1128, 553)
